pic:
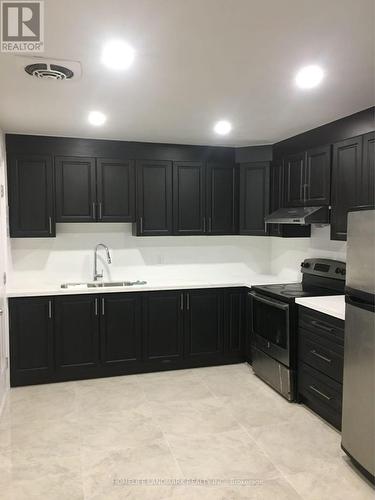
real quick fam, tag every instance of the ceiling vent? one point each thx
(52, 69)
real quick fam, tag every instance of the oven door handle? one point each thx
(270, 302)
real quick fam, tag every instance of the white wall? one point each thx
(69, 256)
(287, 253)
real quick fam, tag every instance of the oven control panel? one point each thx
(328, 268)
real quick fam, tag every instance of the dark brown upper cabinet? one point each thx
(317, 176)
(254, 197)
(221, 198)
(294, 167)
(75, 189)
(346, 175)
(189, 214)
(154, 198)
(307, 178)
(366, 182)
(94, 190)
(31, 205)
(115, 190)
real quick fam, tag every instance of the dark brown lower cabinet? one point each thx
(72, 337)
(320, 364)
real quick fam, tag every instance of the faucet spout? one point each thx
(98, 275)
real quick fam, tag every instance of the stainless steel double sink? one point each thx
(103, 284)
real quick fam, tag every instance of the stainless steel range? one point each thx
(273, 322)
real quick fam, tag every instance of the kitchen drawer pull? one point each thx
(320, 393)
(321, 326)
(320, 356)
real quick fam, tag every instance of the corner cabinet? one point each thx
(254, 197)
(31, 201)
(72, 337)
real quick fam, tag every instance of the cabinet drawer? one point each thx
(320, 393)
(325, 357)
(321, 324)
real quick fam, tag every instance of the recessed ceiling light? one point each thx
(222, 127)
(97, 118)
(309, 77)
(117, 54)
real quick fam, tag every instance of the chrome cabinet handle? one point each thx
(141, 225)
(93, 210)
(50, 224)
(321, 326)
(100, 210)
(204, 224)
(50, 309)
(187, 301)
(182, 302)
(96, 307)
(320, 393)
(210, 224)
(320, 356)
(103, 306)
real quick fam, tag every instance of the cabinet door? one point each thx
(77, 336)
(75, 189)
(294, 179)
(31, 340)
(115, 190)
(31, 204)
(189, 215)
(254, 198)
(204, 324)
(235, 322)
(120, 330)
(154, 198)
(276, 195)
(366, 181)
(346, 167)
(317, 177)
(220, 198)
(163, 326)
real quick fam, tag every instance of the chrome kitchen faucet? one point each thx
(96, 274)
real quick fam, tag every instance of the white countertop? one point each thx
(153, 284)
(333, 305)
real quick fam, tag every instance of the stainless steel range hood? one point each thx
(299, 215)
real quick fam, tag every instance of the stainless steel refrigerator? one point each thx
(358, 418)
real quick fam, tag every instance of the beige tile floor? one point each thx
(94, 439)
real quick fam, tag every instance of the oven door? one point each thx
(270, 324)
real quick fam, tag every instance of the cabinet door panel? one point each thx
(235, 322)
(254, 198)
(204, 324)
(294, 180)
(115, 190)
(120, 330)
(163, 326)
(31, 340)
(346, 166)
(189, 198)
(221, 198)
(154, 198)
(77, 335)
(318, 176)
(31, 205)
(366, 181)
(75, 189)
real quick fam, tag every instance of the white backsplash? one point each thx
(69, 256)
(288, 253)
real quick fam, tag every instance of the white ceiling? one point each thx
(197, 61)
